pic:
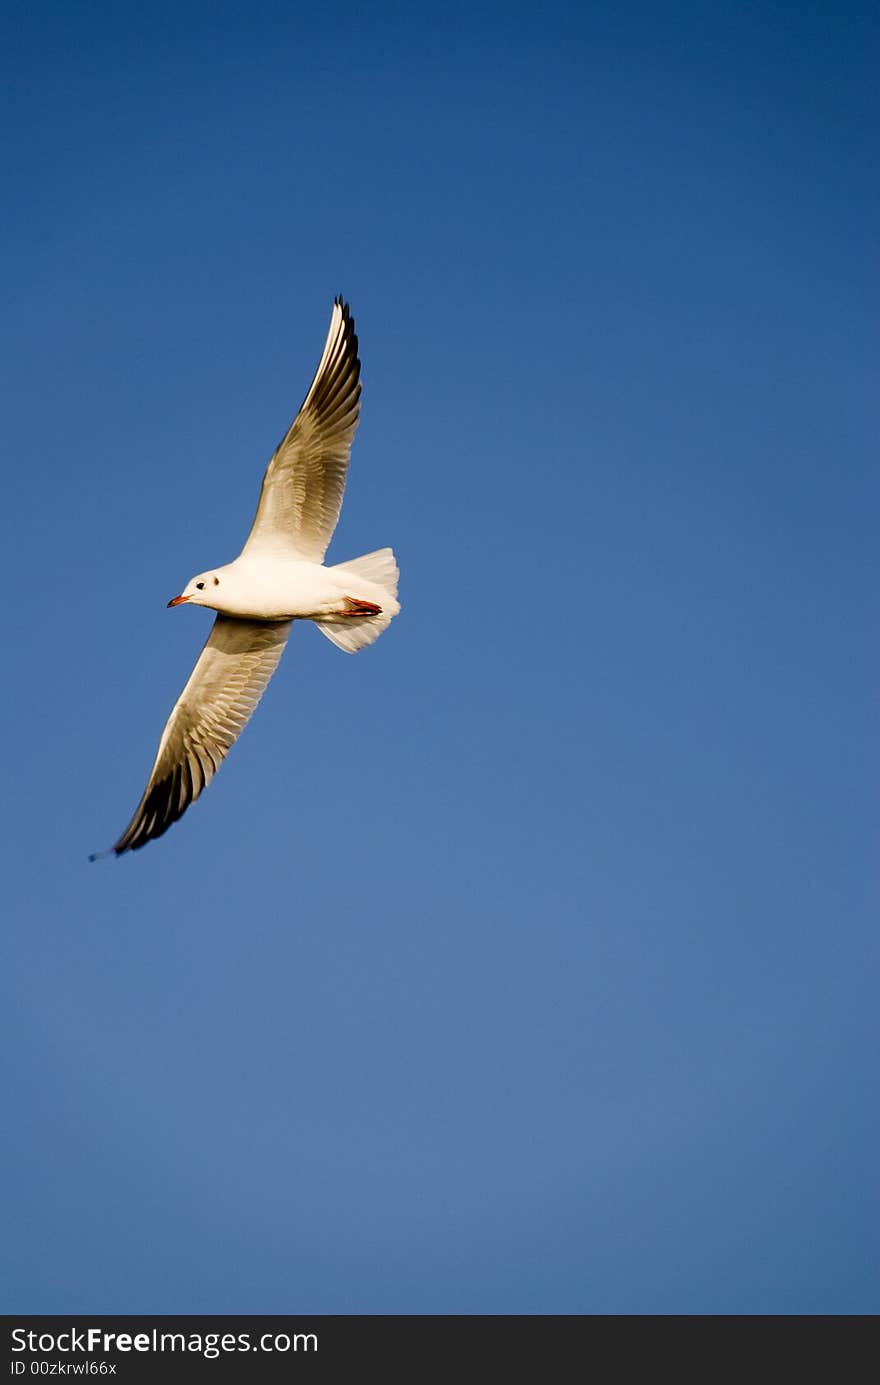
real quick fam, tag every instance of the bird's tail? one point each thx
(373, 580)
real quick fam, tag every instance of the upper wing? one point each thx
(305, 480)
(225, 686)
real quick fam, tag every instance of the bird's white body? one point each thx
(285, 588)
(280, 589)
(278, 577)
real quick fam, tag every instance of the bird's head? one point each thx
(201, 590)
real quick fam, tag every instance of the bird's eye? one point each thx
(216, 581)
(201, 586)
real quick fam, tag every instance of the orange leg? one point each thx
(356, 607)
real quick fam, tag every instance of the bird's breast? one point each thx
(280, 591)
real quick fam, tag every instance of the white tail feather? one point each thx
(373, 578)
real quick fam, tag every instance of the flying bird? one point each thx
(278, 577)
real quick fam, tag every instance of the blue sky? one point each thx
(525, 963)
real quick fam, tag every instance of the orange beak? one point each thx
(176, 600)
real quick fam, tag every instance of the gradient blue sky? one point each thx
(526, 962)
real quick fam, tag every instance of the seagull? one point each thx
(278, 577)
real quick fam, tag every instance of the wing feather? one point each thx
(230, 677)
(305, 480)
